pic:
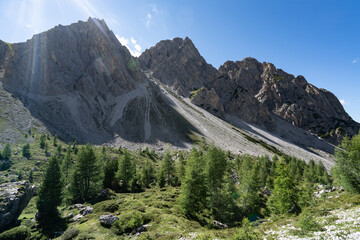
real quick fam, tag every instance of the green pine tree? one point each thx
(110, 169)
(42, 141)
(26, 151)
(194, 188)
(347, 167)
(168, 169)
(147, 174)
(284, 196)
(50, 191)
(85, 181)
(6, 154)
(127, 172)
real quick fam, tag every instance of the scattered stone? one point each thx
(76, 206)
(70, 215)
(219, 225)
(86, 210)
(107, 220)
(37, 163)
(142, 228)
(77, 217)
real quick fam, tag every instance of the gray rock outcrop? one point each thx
(107, 220)
(14, 197)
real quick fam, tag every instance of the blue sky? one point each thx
(319, 39)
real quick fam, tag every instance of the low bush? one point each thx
(17, 233)
(70, 233)
(127, 222)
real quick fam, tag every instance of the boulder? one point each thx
(219, 225)
(86, 210)
(107, 220)
(77, 217)
(14, 197)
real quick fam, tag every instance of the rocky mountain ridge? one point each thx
(253, 91)
(83, 85)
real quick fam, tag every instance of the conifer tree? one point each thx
(42, 141)
(55, 142)
(26, 151)
(283, 198)
(168, 169)
(193, 188)
(86, 174)
(147, 174)
(249, 197)
(66, 166)
(110, 169)
(127, 172)
(31, 176)
(50, 191)
(181, 167)
(6, 154)
(347, 167)
(220, 187)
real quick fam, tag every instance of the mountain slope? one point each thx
(252, 91)
(83, 85)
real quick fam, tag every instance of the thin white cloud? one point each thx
(130, 44)
(148, 20)
(343, 102)
(356, 60)
(154, 8)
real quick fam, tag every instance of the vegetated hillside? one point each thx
(153, 203)
(253, 91)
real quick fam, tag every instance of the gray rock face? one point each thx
(292, 98)
(178, 64)
(107, 220)
(253, 91)
(13, 199)
(85, 86)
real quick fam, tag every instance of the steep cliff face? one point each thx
(292, 98)
(178, 64)
(253, 91)
(85, 86)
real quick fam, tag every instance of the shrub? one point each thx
(127, 222)
(70, 233)
(17, 233)
(307, 223)
(246, 232)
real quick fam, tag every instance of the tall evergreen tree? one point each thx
(215, 171)
(86, 175)
(127, 172)
(181, 167)
(347, 167)
(66, 166)
(6, 154)
(50, 191)
(110, 169)
(193, 188)
(168, 169)
(42, 141)
(26, 151)
(147, 174)
(284, 196)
